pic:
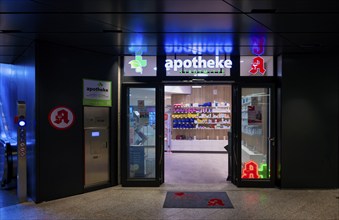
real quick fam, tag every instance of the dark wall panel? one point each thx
(60, 72)
(309, 152)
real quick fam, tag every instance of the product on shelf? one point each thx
(206, 116)
(247, 128)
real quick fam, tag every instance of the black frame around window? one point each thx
(147, 182)
(237, 141)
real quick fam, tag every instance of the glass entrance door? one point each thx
(255, 145)
(141, 151)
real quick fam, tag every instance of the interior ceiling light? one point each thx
(196, 87)
(263, 11)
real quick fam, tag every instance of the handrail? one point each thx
(3, 142)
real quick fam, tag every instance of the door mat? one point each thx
(197, 200)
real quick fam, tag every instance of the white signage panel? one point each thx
(97, 93)
(198, 66)
(256, 66)
(140, 65)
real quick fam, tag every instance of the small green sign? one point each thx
(97, 93)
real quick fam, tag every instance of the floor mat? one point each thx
(197, 200)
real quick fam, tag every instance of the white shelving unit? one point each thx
(198, 145)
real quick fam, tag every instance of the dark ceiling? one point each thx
(121, 27)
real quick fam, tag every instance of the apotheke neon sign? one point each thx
(198, 63)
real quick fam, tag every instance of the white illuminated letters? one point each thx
(198, 63)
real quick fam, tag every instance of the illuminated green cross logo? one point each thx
(263, 171)
(100, 84)
(138, 63)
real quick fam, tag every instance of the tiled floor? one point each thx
(184, 168)
(147, 203)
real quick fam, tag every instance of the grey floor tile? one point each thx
(146, 203)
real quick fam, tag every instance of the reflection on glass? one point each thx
(141, 160)
(255, 124)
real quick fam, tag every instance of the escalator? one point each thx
(8, 165)
(8, 174)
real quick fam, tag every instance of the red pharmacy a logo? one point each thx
(61, 118)
(250, 170)
(258, 65)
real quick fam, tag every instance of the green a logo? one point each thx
(138, 63)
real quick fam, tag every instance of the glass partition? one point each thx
(255, 133)
(142, 130)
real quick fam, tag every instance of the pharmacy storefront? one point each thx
(199, 104)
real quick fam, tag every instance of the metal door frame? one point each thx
(159, 142)
(237, 180)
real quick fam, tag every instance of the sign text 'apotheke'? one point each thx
(198, 63)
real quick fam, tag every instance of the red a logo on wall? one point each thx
(61, 118)
(258, 65)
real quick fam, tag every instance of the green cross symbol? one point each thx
(263, 171)
(138, 64)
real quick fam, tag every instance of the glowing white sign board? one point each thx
(200, 66)
(197, 63)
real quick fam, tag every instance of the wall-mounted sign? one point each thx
(140, 65)
(251, 170)
(61, 118)
(256, 66)
(198, 66)
(97, 93)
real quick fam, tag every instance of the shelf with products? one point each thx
(252, 130)
(212, 120)
(194, 108)
(198, 120)
(249, 107)
(216, 145)
(204, 128)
